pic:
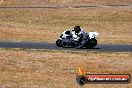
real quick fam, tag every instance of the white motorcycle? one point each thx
(90, 42)
(92, 39)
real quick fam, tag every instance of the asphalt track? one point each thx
(59, 7)
(52, 46)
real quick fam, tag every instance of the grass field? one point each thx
(57, 69)
(62, 2)
(24, 68)
(113, 24)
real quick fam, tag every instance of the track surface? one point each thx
(58, 7)
(52, 46)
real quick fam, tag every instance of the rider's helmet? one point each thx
(77, 29)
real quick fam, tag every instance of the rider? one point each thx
(80, 36)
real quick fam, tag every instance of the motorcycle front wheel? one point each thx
(59, 43)
(92, 43)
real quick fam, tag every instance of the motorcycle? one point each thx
(69, 41)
